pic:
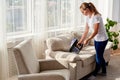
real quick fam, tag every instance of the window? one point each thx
(65, 13)
(81, 18)
(55, 15)
(16, 15)
(59, 13)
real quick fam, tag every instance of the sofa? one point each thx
(80, 64)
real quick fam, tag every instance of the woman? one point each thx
(95, 23)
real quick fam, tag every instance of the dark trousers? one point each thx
(100, 61)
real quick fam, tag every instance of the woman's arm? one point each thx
(96, 27)
(84, 34)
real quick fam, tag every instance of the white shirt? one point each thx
(101, 35)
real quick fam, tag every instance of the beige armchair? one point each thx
(29, 68)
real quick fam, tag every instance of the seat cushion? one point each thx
(87, 55)
(63, 73)
(25, 52)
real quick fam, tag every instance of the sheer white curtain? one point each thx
(40, 26)
(104, 8)
(3, 47)
(51, 18)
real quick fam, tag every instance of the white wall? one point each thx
(116, 15)
(116, 10)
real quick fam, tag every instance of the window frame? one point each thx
(29, 20)
(60, 27)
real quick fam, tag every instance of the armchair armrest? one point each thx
(40, 76)
(51, 64)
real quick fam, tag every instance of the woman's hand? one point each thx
(80, 42)
(86, 41)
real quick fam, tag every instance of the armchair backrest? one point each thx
(25, 58)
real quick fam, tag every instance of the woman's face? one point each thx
(85, 12)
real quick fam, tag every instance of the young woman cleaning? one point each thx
(94, 23)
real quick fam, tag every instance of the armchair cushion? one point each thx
(62, 74)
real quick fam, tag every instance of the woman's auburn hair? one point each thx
(89, 6)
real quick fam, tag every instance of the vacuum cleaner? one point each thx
(74, 47)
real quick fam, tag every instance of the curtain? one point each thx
(60, 16)
(40, 27)
(51, 18)
(3, 47)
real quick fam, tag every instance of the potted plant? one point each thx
(112, 35)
